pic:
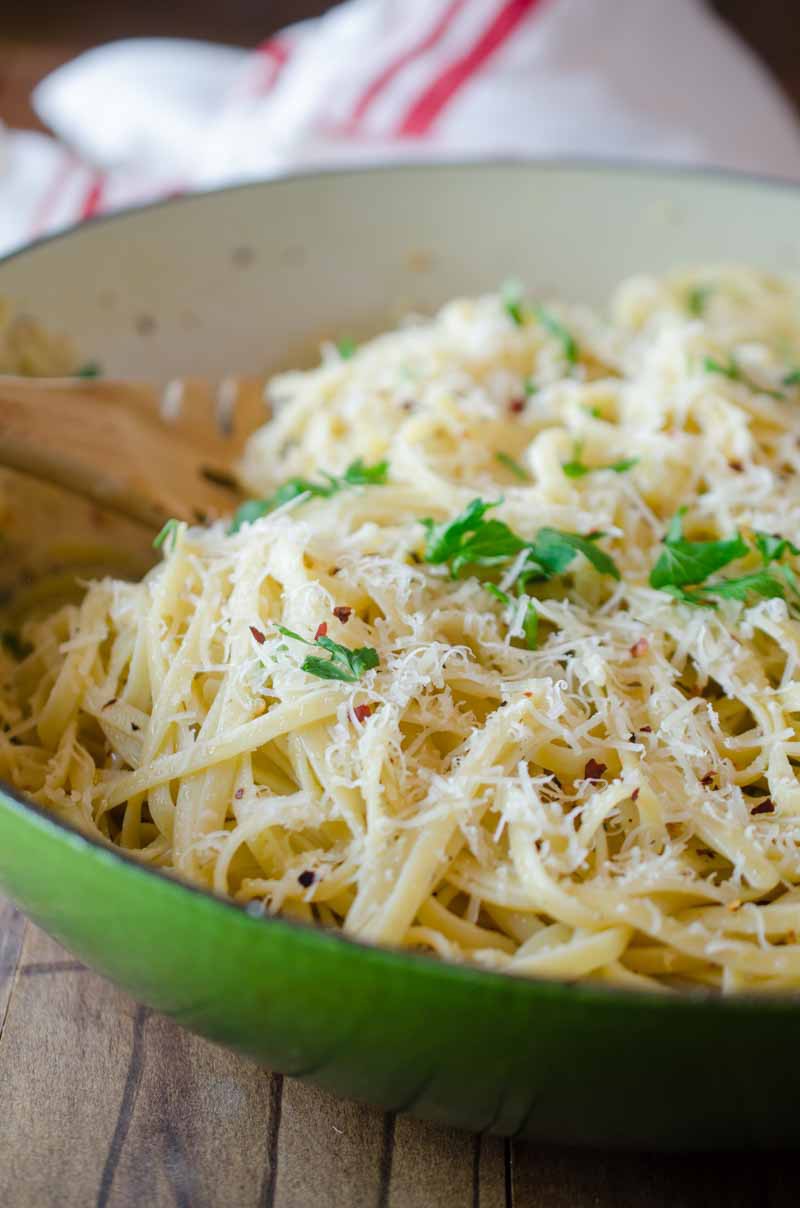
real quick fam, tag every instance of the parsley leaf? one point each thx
(530, 621)
(89, 370)
(471, 540)
(511, 296)
(685, 562)
(343, 664)
(736, 374)
(556, 328)
(169, 533)
(554, 549)
(698, 299)
(359, 475)
(772, 547)
(577, 468)
(356, 474)
(760, 582)
(792, 378)
(529, 386)
(516, 469)
(346, 348)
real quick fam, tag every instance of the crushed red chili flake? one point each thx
(764, 807)
(111, 702)
(646, 730)
(707, 779)
(362, 712)
(258, 635)
(640, 647)
(342, 613)
(635, 795)
(239, 794)
(593, 770)
(322, 631)
(516, 405)
(737, 466)
(307, 878)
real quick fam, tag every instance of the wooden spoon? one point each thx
(149, 452)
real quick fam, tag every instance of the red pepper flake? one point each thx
(342, 613)
(109, 703)
(362, 712)
(645, 729)
(593, 770)
(640, 647)
(307, 878)
(737, 466)
(635, 795)
(764, 807)
(239, 794)
(322, 631)
(258, 635)
(516, 405)
(707, 779)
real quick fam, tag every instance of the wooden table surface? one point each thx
(105, 1103)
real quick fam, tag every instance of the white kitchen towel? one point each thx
(653, 80)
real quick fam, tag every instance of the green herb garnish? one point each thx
(530, 621)
(516, 469)
(577, 468)
(735, 373)
(356, 474)
(772, 547)
(697, 300)
(343, 664)
(530, 387)
(169, 533)
(684, 565)
(556, 328)
(792, 378)
(472, 540)
(511, 295)
(346, 348)
(90, 370)
(685, 562)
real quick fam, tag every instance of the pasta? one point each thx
(503, 666)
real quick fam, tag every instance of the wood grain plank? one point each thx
(329, 1151)
(198, 1128)
(551, 1177)
(433, 1165)
(63, 1061)
(12, 931)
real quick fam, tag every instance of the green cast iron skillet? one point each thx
(234, 279)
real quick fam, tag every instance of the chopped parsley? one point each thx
(168, 536)
(697, 299)
(472, 540)
(90, 369)
(577, 468)
(683, 567)
(530, 387)
(346, 348)
(342, 664)
(792, 378)
(511, 464)
(557, 329)
(512, 297)
(735, 373)
(530, 621)
(357, 474)
(683, 562)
